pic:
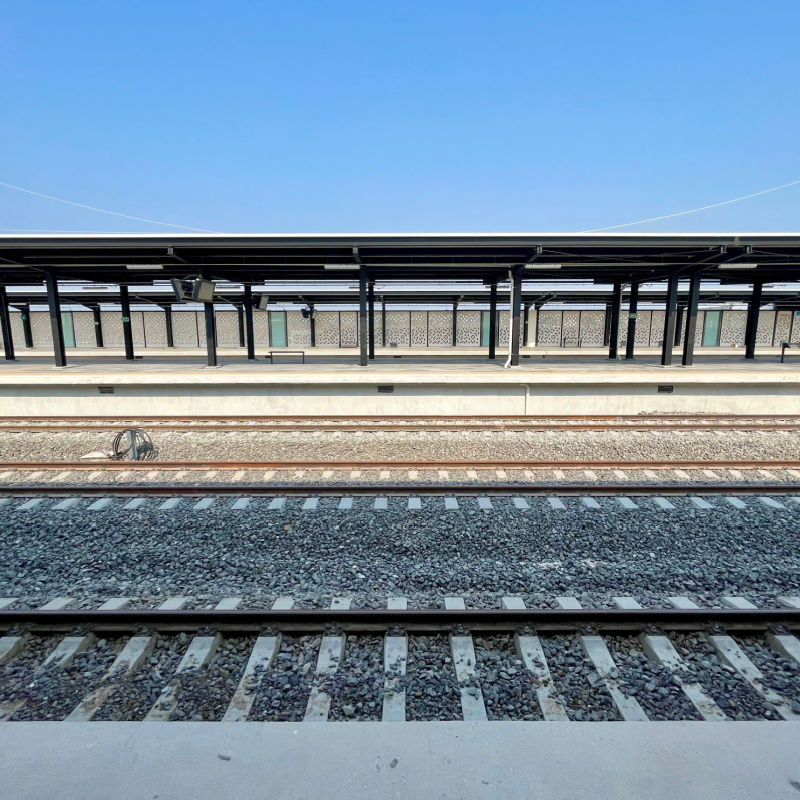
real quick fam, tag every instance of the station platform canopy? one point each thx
(539, 268)
(249, 258)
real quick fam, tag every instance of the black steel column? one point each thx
(54, 306)
(98, 326)
(516, 301)
(240, 320)
(27, 330)
(607, 326)
(5, 325)
(753, 308)
(312, 324)
(371, 314)
(526, 310)
(363, 358)
(127, 332)
(691, 320)
(168, 325)
(383, 321)
(633, 311)
(678, 326)
(613, 328)
(211, 334)
(248, 321)
(669, 320)
(455, 324)
(492, 318)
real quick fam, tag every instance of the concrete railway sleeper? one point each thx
(570, 663)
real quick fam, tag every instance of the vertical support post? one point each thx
(678, 326)
(5, 325)
(54, 307)
(753, 308)
(613, 328)
(211, 334)
(98, 326)
(27, 330)
(455, 323)
(513, 330)
(168, 324)
(127, 332)
(526, 310)
(633, 310)
(669, 319)
(371, 314)
(607, 326)
(383, 322)
(248, 321)
(492, 318)
(691, 320)
(362, 318)
(240, 320)
(312, 324)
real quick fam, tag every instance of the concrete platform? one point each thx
(365, 761)
(547, 383)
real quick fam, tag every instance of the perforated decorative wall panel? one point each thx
(591, 332)
(397, 323)
(83, 326)
(698, 333)
(155, 328)
(261, 329)
(732, 328)
(419, 328)
(40, 327)
(227, 329)
(656, 328)
(298, 329)
(440, 328)
(468, 329)
(184, 328)
(327, 329)
(200, 319)
(17, 333)
(348, 325)
(642, 336)
(766, 324)
(782, 327)
(570, 328)
(137, 329)
(502, 328)
(111, 322)
(378, 327)
(550, 328)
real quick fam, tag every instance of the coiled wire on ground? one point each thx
(134, 444)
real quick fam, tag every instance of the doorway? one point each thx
(711, 326)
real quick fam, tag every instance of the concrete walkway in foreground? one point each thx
(373, 761)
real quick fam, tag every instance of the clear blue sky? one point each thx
(400, 116)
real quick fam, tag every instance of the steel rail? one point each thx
(428, 620)
(138, 466)
(403, 424)
(504, 489)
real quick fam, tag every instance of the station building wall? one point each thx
(546, 328)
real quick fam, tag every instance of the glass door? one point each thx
(68, 328)
(711, 324)
(277, 329)
(485, 318)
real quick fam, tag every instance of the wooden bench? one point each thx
(273, 353)
(785, 346)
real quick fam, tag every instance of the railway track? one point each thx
(393, 664)
(662, 422)
(425, 476)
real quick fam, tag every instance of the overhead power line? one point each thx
(102, 210)
(695, 210)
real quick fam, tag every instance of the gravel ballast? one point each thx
(419, 445)
(423, 555)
